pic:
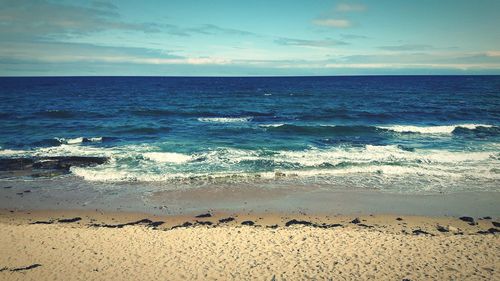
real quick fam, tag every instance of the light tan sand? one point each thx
(386, 251)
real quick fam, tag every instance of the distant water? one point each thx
(408, 133)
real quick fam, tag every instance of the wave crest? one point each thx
(448, 129)
(225, 119)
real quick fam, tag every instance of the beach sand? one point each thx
(53, 245)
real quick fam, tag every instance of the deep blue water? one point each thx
(387, 132)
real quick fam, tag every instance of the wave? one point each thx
(361, 129)
(167, 157)
(79, 140)
(225, 119)
(432, 168)
(380, 161)
(447, 129)
(271, 125)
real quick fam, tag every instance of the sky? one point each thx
(248, 38)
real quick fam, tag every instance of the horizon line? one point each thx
(240, 76)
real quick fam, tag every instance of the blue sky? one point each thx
(240, 38)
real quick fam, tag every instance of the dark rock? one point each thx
(70, 220)
(399, 219)
(274, 226)
(27, 191)
(207, 215)
(495, 224)
(419, 232)
(47, 166)
(467, 219)
(66, 162)
(355, 221)
(7, 187)
(248, 223)
(486, 218)
(12, 164)
(226, 220)
(20, 193)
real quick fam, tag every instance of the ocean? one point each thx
(403, 134)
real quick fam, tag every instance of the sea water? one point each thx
(392, 133)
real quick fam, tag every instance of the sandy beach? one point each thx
(95, 245)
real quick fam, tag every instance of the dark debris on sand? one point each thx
(441, 228)
(489, 231)
(466, 219)
(43, 222)
(365, 225)
(69, 220)
(20, 268)
(226, 220)
(204, 223)
(190, 224)
(248, 223)
(421, 232)
(186, 224)
(207, 215)
(146, 222)
(308, 223)
(355, 221)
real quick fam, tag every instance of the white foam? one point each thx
(271, 125)
(431, 129)
(146, 163)
(11, 152)
(71, 141)
(96, 139)
(167, 157)
(225, 119)
(78, 140)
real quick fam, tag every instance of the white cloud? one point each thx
(344, 7)
(339, 23)
(493, 53)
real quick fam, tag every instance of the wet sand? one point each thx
(70, 193)
(97, 245)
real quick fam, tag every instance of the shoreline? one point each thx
(154, 199)
(99, 245)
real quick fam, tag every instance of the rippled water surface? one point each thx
(410, 133)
